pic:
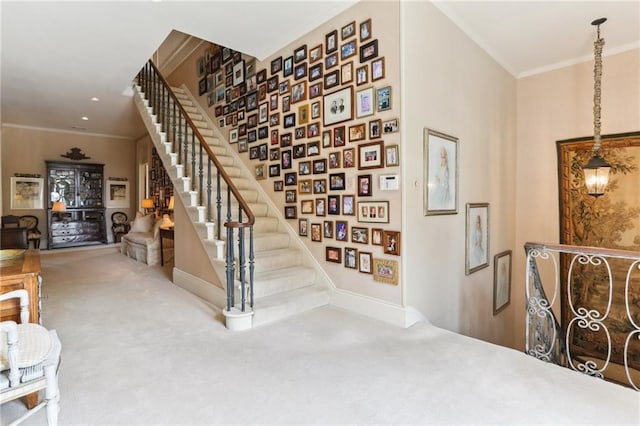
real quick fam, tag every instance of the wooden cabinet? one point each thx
(16, 274)
(80, 187)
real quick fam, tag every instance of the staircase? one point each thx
(286, 278)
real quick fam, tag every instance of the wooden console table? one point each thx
(164, 233)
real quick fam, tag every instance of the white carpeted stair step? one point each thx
(265, 224)
(268, 241)
(283, 279)
(272, 260)
(284, 305)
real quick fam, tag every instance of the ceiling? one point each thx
(56, 56)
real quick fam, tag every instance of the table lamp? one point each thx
(148, 204)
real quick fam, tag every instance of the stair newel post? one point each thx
(229, 270)
(200, 175)
(241, 262)
(218, 205)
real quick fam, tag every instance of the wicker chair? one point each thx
(29, 359)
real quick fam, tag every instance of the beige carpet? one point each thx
(138, 350)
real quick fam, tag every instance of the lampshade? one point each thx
(59, 206)
(147, 203)
(596, 175)
(171, 201)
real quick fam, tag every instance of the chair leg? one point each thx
(52, 395)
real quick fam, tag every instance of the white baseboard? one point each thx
(374, 308)
(201, 288)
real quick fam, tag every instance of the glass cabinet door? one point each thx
(90, 189)
(62, 186)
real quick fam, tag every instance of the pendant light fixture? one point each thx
(596, 171)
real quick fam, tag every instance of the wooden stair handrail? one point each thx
(234, 190)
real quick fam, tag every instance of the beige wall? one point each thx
(554, 106)
(25, 150)
(450, 85)
(385, 25)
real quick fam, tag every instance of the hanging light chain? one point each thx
(597, 73)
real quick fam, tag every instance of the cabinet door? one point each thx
(62, 186)
(90, 188)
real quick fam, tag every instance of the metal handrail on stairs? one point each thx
(183, 134)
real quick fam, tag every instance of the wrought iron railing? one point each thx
(206, 176)
(599, 291)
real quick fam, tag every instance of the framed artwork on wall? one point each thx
(440, 173)
(501, 281)
(385, 271)
(350, 258)
(370, 155)
(364, 262)
(331, 42)
(27, 193)
(391, 242)
(364, 102)
(373, 211)
(477, 237)
(334, 254)
(117, 193)
(338, 106)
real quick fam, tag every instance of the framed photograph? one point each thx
(477, 237)
(501, 281)
(334, 160)
(316, 232)
(319, 186)
(338, 106)
(328, 228)
(289, 120)
(276, 65)
(27, 193)
(319, 166)
(331, 42)
(339, 136)
(315, 72)
(287, 67)
(315, 110)
(364, 102)
(362, 75)
(346, 73)
(359, 235)
(278, 185)
(272, 84)
(440, 173)
(391, 157)
(348, 49)
(290, 212)
(118, 193)
(373, 211)
(315, 54)
(370, 155)
(337, 181)
(383, 98)
(333, 254)
(342, 229)
(348, 155)
(233, 135)
(348, 205)
(368, 51)
(300, 71)
(290, 196)
(375, 127)
(321, 207)
(364, 262)
(315, 90)
(357, 132)
(291, 179)
(261, 76)
(243, 146)
(304, 187)
(376, 236)
(286, 103)
(385, 271)
(238, 73)
(306, 207)
(274, 170)
(299, 92)
(365, 186)
(377, 69)
(300, 54)
(304, 168)
(349, 30)
(390, 126)
(391, 242)
(333, 204)
(331, 61)
(303, 227)
(260, 172)
(365, 30)
(331, 79)
(350, 258)
(313, 148)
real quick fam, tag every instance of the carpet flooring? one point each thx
(138, 350)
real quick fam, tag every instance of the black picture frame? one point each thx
(276, 65)
(337, 181)
(369, 51)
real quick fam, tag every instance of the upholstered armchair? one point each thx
(119, 225)
(33, 233)
(142, 242)
(29, 359)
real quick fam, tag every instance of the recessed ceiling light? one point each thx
(94, 99)
(85, 118)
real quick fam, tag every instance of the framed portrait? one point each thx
(357, 132)
(333, 254)
(260, 172)
(290, 212)
(376, 236)
(327, 228)
(333, 204)
(346, 73)
(299, 92)
(383, 98)
(304, 168)
(300, 71)
(477, 237)
(440, 173)
(339, 136)
(287, 66)
(348, 205)
(304, 187)
(385, 271)
(359, 235)
(331, 42)
(27, 193)
(342, 229)
(334, 160)
(290, 196)
(243, 146)
(368, 51)
(274, 170)
(364, 262)
(315, 53)
(348, 49)
(338, 106)
(362, 75)
(331, 79)
(261, 76)
(391, 156)
(278, 185)
(501, 281)
(365, 30)
(390, 126)
(313, 148)
(315, 110)
(319, 166)
(315, 90)
(349, 30)
(321, 206)
(316, 232)
(306, 206)
(319, 186)
(315, 72)
(370, 155)
(238, 73)
(337, 181)
(364, 102)
(373, 211)
(391, 242)
(377, 69)
(331, 61)
(117, 193)
(300, 54)
(375, 129)
(303, 227)
(291, 179)
(350, 258)
(233, 135)
(365, 186)
(276, 65)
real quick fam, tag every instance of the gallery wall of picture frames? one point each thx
(309, 121)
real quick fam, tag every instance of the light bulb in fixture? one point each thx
(95, 99)
(85, 118)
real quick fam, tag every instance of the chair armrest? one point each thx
(24, 302)
(11, 328)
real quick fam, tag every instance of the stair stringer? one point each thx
(317, 295)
